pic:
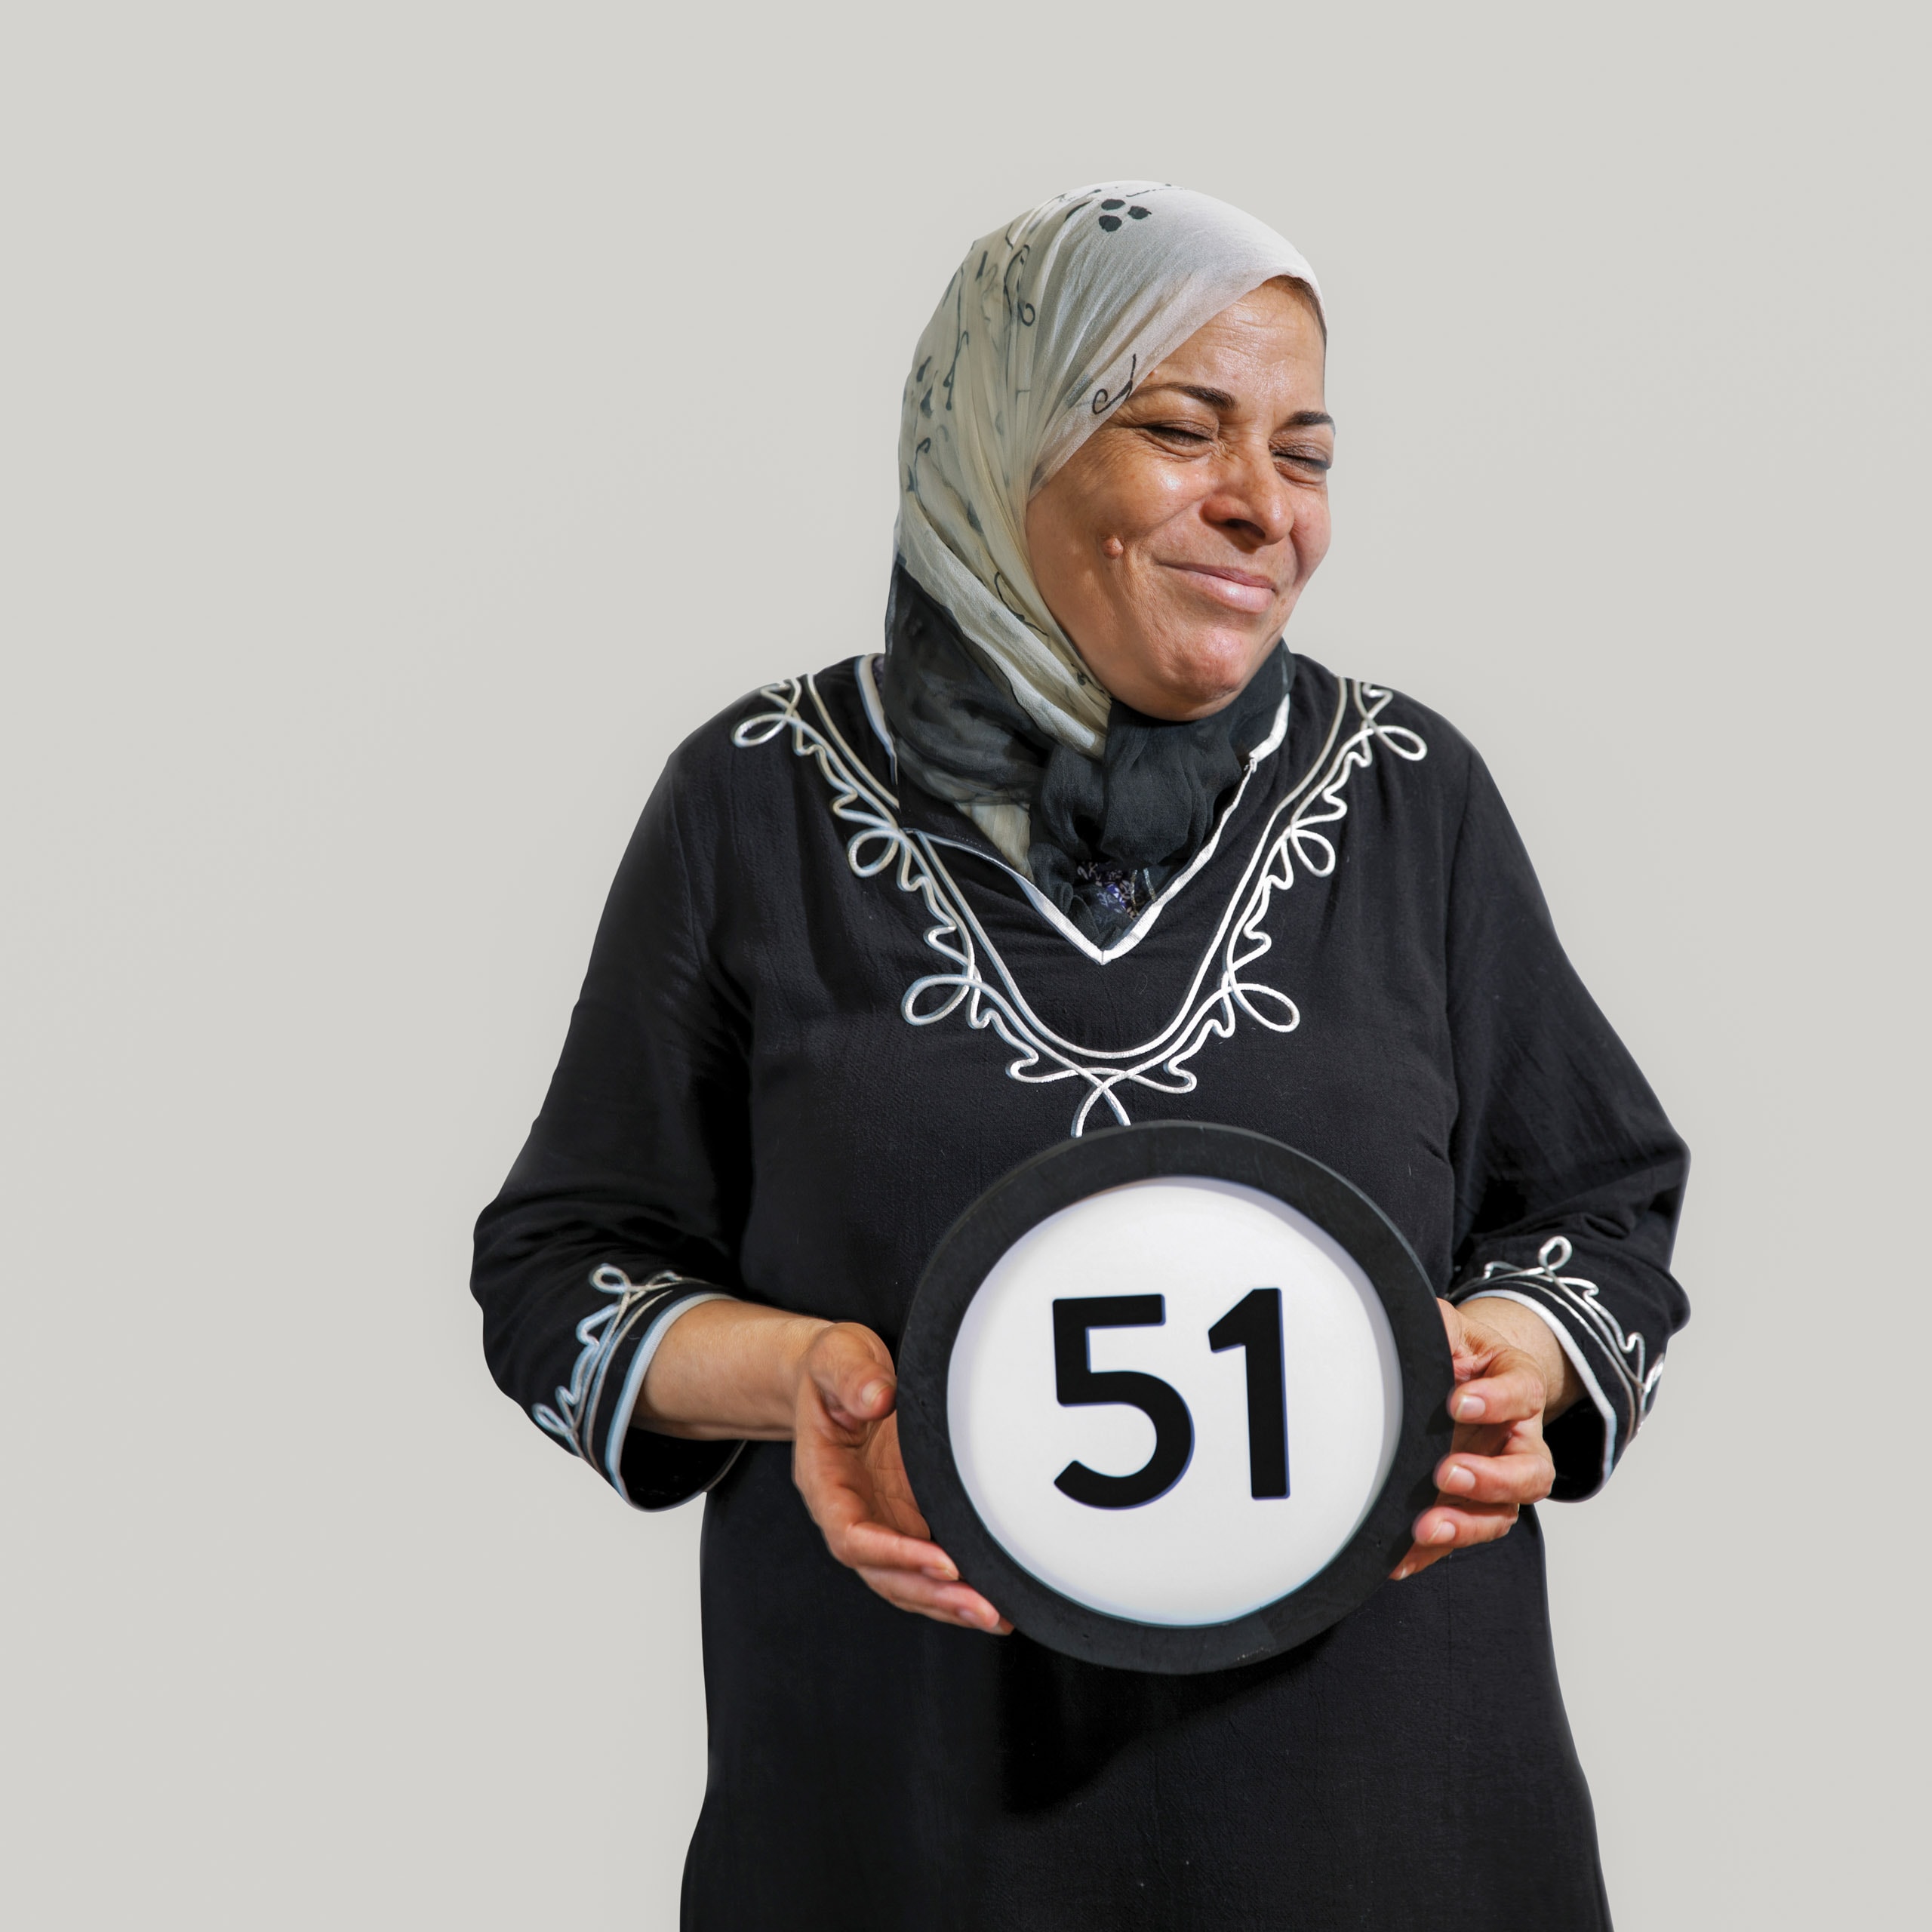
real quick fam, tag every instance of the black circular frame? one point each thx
(1165, 1150)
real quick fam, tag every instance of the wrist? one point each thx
(729, 1369)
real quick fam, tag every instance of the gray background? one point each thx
(414, 419)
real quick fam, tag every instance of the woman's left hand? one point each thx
(1511, 1376)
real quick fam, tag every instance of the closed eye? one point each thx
(1178, 433)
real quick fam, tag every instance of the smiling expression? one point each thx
(1172, 545)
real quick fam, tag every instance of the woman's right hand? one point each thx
(846, 1463)
(733, 1369)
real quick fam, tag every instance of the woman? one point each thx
(1087, 844)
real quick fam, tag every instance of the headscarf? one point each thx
(1098, 837)
(1045, 327)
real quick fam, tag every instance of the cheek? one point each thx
(1163, 528)
(1312, 530)
(1139, 500)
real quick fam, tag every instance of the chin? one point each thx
(1208, 674)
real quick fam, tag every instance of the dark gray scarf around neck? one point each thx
(1107, 834)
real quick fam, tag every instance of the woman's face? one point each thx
(1172, 545)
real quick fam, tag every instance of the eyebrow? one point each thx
(1302, 419)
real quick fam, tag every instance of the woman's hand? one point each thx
(730, 1369)
(1511, 1376)
(845, 1460)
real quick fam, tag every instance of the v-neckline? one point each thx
(968, 841)
(975, 978)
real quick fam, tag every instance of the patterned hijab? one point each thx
(1046, 327)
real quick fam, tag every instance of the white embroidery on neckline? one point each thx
(978, 978)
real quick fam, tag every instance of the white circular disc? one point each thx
(1207, 1550)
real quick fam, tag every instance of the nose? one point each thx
(1251, 500)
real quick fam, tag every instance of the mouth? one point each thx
(1243, 590)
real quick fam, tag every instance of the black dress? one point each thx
(821, 1017)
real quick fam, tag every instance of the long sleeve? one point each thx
(1569, 1178)
(626, 1206)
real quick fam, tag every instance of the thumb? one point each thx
(854, 1375)
(1463, 1349)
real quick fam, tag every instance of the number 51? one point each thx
(1253, 1325)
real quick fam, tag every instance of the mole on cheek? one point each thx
(1113, 547)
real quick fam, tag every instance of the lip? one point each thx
(1239, 590)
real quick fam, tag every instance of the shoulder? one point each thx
(1448, 810)
(797, 712)
(749, 760)
(1349, 719)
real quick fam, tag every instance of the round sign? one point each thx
(1171, 1396)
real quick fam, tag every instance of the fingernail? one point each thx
(1401, 1571)
(941, 1572)
(872, 1393)
(1443, 1532)
(1460, 1478)
(1469, 1408)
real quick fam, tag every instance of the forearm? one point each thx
(1524, 1329)
(727, 1370)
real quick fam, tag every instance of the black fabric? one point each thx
(1107, 834)
(743, 1099)
(961, 731)
(660, 1472)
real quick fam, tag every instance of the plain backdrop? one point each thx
(415, 418)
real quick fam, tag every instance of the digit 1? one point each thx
(1254, 1324)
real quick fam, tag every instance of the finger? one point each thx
(1462, 1526)
(946, 1603)
(1415, 1563)
(853, 1376)
(868, 1544)
(1441, 1531)
(1523, 1475)
(951, 1603)
(1512, 1391)
(848, 1518)
(1420, 1559)
(1461, 1350)
(869, 1395)
(843, 1510)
